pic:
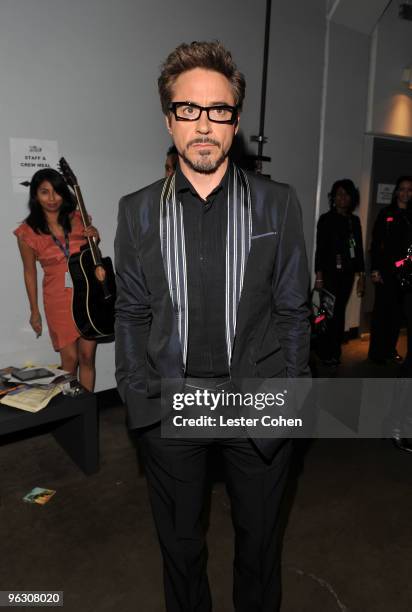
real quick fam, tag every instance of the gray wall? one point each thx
(84, 73)
(364, 95)
(347, 88)
(392, 101)
(294, 99)
(344, 120)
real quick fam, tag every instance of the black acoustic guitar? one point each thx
(94, 288)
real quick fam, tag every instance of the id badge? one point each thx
(352, 244)
(68, 281)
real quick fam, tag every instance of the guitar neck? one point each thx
(97, 260)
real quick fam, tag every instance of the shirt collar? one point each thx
(183, 184)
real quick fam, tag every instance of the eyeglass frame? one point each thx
(174, 105)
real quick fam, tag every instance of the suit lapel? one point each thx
(238, 241)
(172, 239)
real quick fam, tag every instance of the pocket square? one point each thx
(264, 235)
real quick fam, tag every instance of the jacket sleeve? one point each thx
(378, 238)
(133, 311)
(322, 254)
(291, 291)
(360, 259)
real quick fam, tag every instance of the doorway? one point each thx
(391, 158)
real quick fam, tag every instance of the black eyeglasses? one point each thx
(220, 113)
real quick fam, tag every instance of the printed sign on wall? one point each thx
(384, 194)
(27, 155)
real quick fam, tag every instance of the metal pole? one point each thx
(262, 139)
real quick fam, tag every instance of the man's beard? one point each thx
(204, 165)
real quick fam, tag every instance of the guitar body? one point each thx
(93, 303)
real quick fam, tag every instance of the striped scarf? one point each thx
(238, 240)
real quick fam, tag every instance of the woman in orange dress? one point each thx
(52, 231)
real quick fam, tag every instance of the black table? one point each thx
(73, 421)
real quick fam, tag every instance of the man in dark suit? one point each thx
(212, 286)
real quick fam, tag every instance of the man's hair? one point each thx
(207, 55)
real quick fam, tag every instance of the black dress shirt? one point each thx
(205, 224)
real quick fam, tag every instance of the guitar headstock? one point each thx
(68, 173)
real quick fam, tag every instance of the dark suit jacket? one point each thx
(272, 329)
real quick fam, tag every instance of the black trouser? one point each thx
(407, 310)
(386, 318)
(176, 476)
(340, 284)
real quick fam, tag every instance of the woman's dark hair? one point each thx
(401, 179)
(36, 218)
(351, 190)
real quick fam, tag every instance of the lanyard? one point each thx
(65, 249)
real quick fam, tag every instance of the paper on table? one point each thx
(29, 398)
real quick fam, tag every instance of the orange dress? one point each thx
(57, 298)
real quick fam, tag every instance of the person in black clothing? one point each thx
(338, 258)
(212, 289)
(391, 238)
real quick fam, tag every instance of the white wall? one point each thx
(356, 15)
(84, 73)
(347, 88)
(364, 96)
(344, 120)
(294, 98)
(392, 100)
